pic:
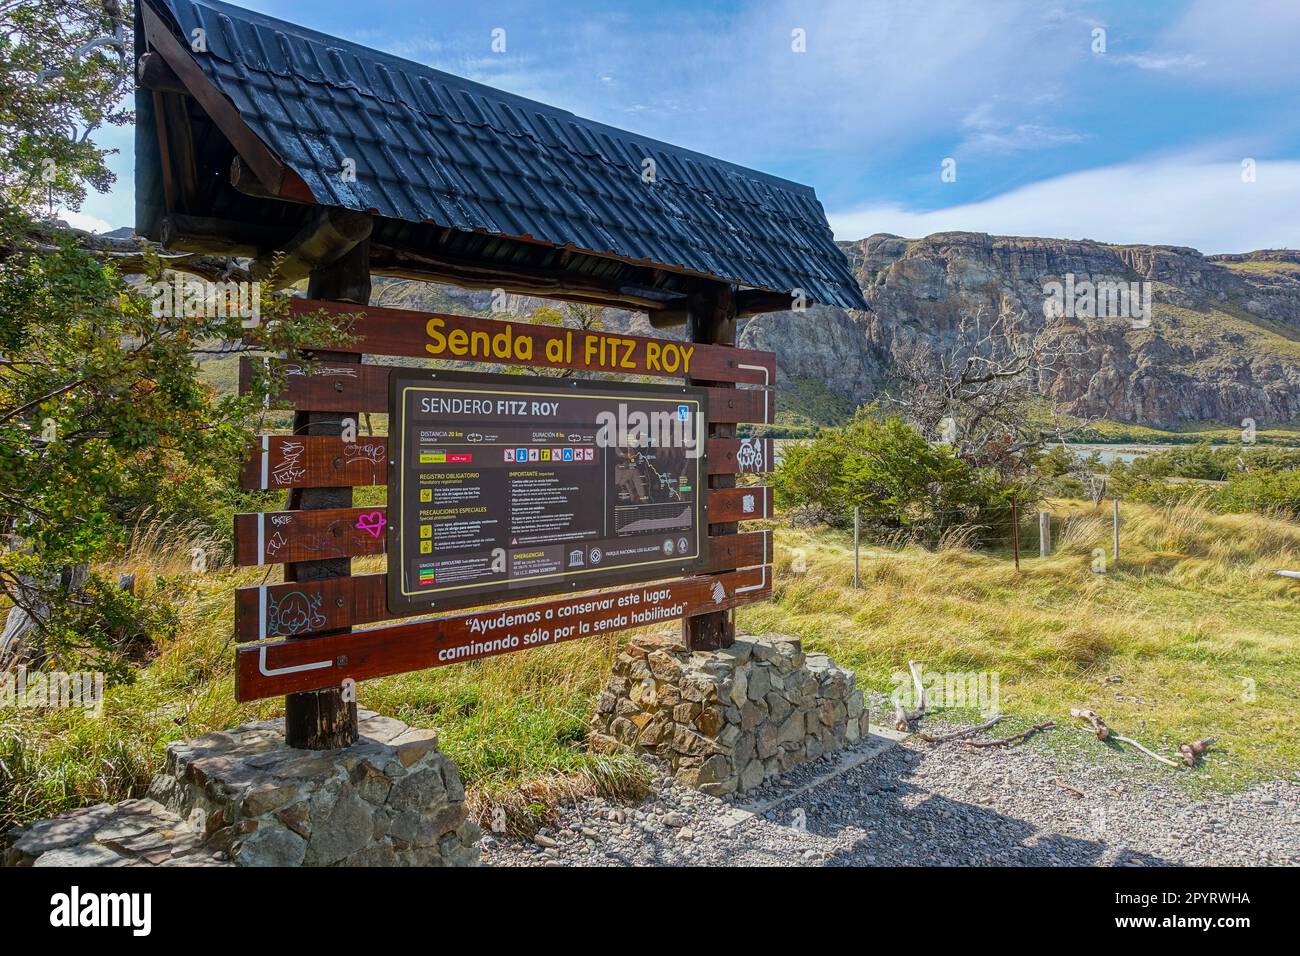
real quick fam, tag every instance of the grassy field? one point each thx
(1191, 635)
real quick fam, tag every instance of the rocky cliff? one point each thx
(1222, 343)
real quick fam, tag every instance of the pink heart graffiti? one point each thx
(372, 523)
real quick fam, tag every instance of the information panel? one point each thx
(501, 486)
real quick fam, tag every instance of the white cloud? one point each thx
(1237, 45)
(1159, 63)
(874, 75)
(80, 220)
(1182, 201)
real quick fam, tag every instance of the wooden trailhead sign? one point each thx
(504, 486)
(390, 167)
(501, 489)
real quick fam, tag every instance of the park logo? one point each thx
(75, 909)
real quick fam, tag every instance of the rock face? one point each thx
(1223, 343)
(730, 719)
(242, 797)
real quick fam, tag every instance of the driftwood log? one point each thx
(129, 256)
(1193, 750)
(958, 734)
(1013, 739)
(1091, 716)
(1105, 733)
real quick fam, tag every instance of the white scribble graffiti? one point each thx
(369, 452)
(751, 456)
(289, 470)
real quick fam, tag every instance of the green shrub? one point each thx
(898, 480)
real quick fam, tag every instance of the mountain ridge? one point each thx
(1223, 343)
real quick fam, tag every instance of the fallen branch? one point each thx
(903, 718)
(1193, 750)
(1069, 789)
(1105, 733)
(1013, 739)
(1149, 753)
(1091, 716)
(958, 734)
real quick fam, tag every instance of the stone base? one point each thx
(130, 833)
(728, 720)
(241, 796)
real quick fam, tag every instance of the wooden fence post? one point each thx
(857, 528)
(1015, 531)
(1115, 527)
(712, 320)
(323, 719)
(1044, 533)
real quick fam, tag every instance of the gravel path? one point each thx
(918, 804)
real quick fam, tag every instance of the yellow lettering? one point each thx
(686, 359)
(458, 342)
(439, 340)
(627, 361)
(501, 344)
(589, 346)
(555, 351)
(652, 350)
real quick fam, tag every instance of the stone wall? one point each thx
(391, 799)
(730, 719)
(242, 797)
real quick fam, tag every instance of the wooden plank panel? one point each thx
(323, 461)
(296, 608)
(328, 388)
(293, 666)
(742, 456)
(435, 335)
(279, 537)
(315, 461)
(739, 504)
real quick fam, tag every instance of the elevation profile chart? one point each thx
(503, 487)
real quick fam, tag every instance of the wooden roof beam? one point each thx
(430, 266)
(756, 301)
(331, 235)
(153, 73)
(283, 182)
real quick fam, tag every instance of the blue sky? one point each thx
(1144, 142)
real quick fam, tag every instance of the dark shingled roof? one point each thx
(430, 147)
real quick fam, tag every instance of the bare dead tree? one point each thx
(984, 392)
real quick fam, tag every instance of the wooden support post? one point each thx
(1015, 531)
(857, 530)
(1044, 533)
(323, 719)
(1115, 527)
(712, 321)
